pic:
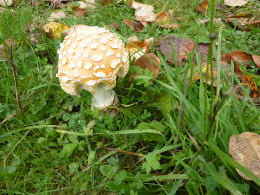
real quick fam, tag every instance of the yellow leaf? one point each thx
(55, 29)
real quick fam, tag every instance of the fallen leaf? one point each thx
(245, 149)
(134, 25)
(256, 60)
(58, 3)
(56, 16)
(233, 3)
(137, 49)
(243, 21)
(247, 80)
(85, 5)
(149, 61)
(203, 7)
(241, 57)
(180, 48)
(143, 12)
(114, 26)
(149, 41)
(77, 11)
(105, 2)
(202, 49)
(132, 38)
(55, 29)
(5, 3)
(162, 18)
(226, 58)
(206, 21)
(170, 26)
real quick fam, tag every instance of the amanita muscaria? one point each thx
(91, 58)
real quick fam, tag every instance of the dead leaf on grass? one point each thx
(247, 80)
(132, 38)
(206, 21)
(203, 7)
(170, 26)
(58, 3)
(137, 48)
(241, 57)
(243, 21)
(233, 3)
(245, 149)
(171, 45)
(226, 58)
(143, 12)
(56, 16)
(134, 25)
(5, 3)
(162, 18)
(114, 26)
(256, 60)
(55, 29)
(149, 61)
(77, 11)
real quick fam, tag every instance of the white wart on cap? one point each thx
(90, 58)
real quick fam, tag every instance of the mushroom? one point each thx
(91, 58)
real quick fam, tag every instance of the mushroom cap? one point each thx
(88, 56)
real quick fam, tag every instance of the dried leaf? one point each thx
(149, 61)
(134, 25)
(170, 26)
(132, 38)
(206, 21)
(243, 21)
(77, 11)
(56, 16)
(137, 49)
(233, 3)
(162, 18)
(203, 7)
(105, 2)
(58, 3)
(226, 58)
(171, 45)
(256, 60)
(5, 3)
(55, 29)
(245, 149)
(143, 12)
(247, 80)
(87, 4)
(114, 26)
(241, 57)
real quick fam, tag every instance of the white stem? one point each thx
(103, 96)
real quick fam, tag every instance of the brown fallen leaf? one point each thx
(77, 11)
(170, 26)
(233, 3)
(256, 60)
(114, 26)
(180, 48)
(245, 149)
(206, 21)
(105, 2)
(203, 7)
(247, 80)
(162, 18)
(226, 58)
(243, 21)
(149, 61)
(134, 25)
(55, 29)
(58, 3)
(241, 57)
(137, 49)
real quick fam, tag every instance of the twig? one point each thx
(6, 119)
(14, 68)
(123, 151)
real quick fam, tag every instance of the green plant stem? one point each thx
(212, 9)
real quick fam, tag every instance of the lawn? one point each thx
(168, 135)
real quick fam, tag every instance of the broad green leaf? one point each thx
(67, 150)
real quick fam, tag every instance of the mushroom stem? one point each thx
(103, 96)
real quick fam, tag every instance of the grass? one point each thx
(61, 146)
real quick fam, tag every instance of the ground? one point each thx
(168, 135)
